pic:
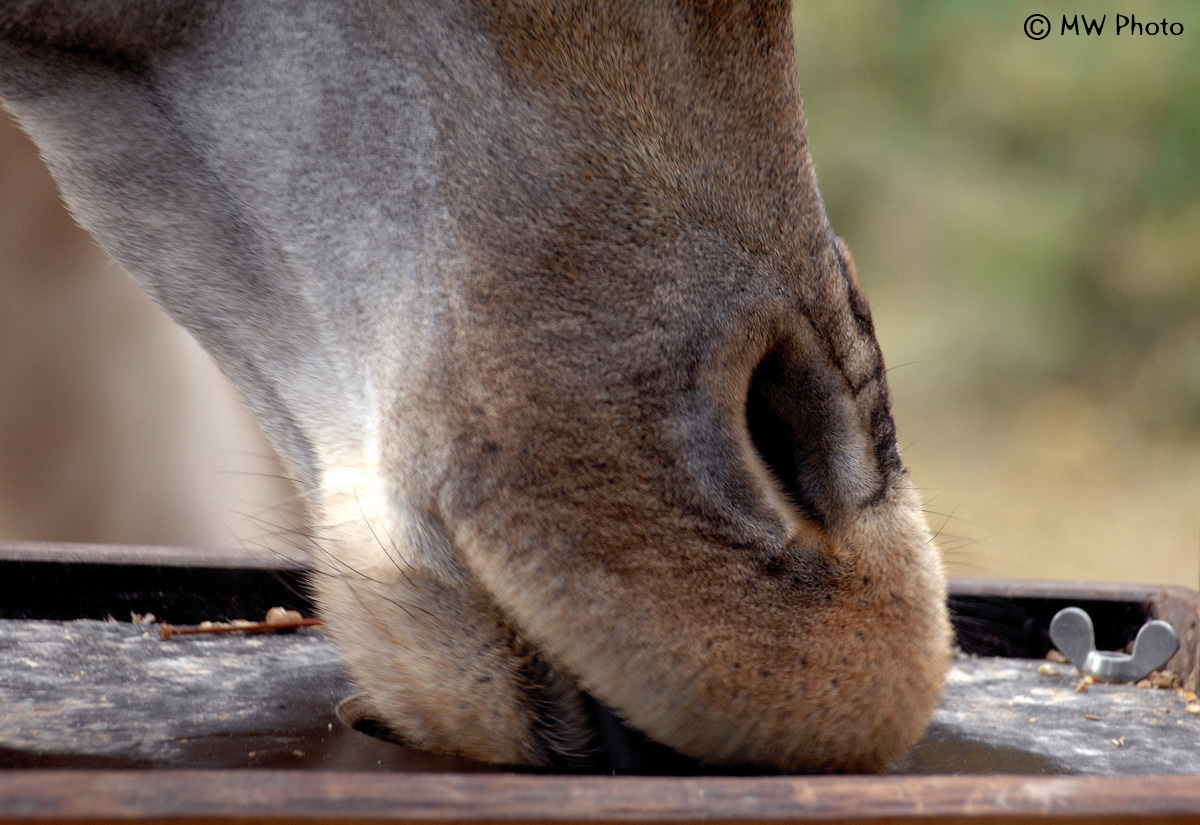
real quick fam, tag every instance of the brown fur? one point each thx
(541, 303)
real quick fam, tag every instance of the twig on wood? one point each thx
(167, 631)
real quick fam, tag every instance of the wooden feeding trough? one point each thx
(101, 720)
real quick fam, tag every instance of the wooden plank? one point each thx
(181, 585)
(1175, 604)
(84, 694)
(1023, 716)
(115, 695)
(252, 557)
(285, 796)
(247, 558)
(256, 715)
(1050, 589)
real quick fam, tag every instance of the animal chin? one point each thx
(606, 744)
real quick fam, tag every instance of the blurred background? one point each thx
(1025, 216)
(114, 425)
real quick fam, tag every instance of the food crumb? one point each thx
(280, 615)
(1164, 679)
(1048, 670)
(1091, 717)
(1118, 743)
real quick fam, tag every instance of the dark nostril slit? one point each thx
(777, 425)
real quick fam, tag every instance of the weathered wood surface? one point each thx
(1004, 716)
(90, 694)
(87, 694)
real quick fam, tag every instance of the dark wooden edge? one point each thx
(1180, 606)
(255, 558)
(1049, 589)
(294, 796)
(245, 558)
(52, 581)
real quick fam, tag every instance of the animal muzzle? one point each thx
(724, 552)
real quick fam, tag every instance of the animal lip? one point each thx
(617, 748)
(621, 749)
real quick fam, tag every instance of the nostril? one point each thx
(831, 449)
(781, 436)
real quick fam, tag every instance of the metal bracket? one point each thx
(1072, 632)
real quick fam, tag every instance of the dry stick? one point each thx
(168, 631)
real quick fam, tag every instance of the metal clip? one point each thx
(1072, 632)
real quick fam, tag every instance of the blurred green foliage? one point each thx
(1053, 186)
(1025, 216)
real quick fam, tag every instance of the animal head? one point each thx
(540, 305)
